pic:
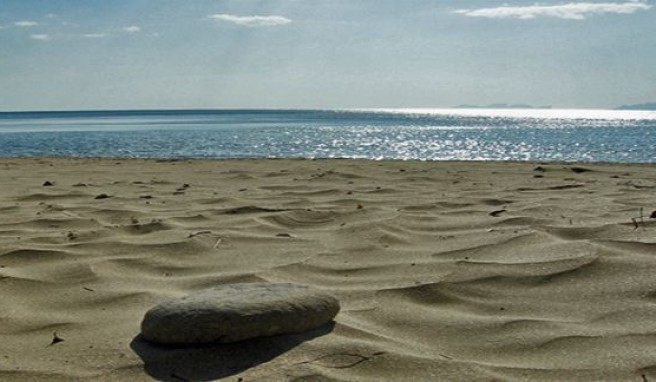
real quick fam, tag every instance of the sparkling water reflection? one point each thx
(614, 136)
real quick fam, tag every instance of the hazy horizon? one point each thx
(539, 113)
(296, 54)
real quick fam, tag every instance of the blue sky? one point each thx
(71, 55)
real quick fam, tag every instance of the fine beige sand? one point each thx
(446, 271)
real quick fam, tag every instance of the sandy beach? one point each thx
(446, 271)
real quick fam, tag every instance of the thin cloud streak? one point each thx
(94, 35)
(40, 37)
(132, 29)
(26, 23)
(252, 21)
(570, 11)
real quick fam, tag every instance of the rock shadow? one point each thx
(211, 362)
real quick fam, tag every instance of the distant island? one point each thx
(641, 106)
(501, 106)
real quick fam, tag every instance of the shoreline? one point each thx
(383, 160)
(446, 270)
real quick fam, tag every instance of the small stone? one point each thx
(236, 312)
(47, 183)
(102, 196)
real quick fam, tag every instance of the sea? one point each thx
(406, 134)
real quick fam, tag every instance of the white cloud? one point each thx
(40, 37)
(26, 23)
(94, 35)
(252, 21)
(132, 29)
(570, 11)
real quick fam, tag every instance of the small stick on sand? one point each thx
(218, 241)
(635, 223)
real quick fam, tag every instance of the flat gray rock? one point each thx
(236, 312)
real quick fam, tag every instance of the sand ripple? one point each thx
(446, 271)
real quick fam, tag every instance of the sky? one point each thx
(308, 54)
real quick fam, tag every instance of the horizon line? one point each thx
(467, 107)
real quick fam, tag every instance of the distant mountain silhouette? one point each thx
(501, 106)
(641, 106)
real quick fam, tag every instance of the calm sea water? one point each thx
(464, 134)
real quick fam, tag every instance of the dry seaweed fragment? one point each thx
(56, 339)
